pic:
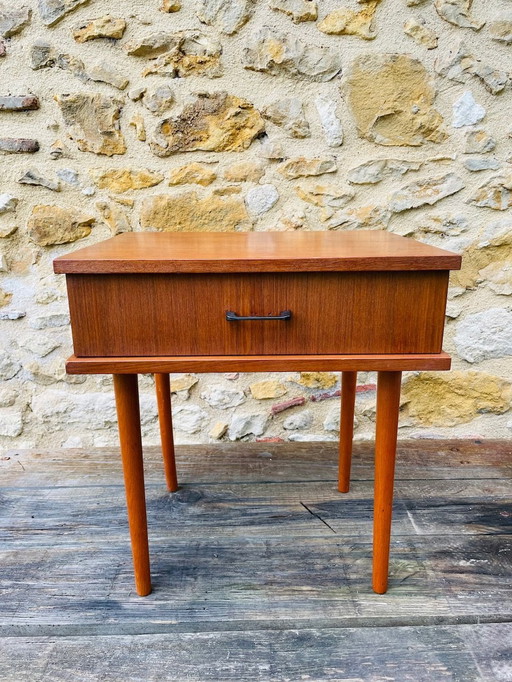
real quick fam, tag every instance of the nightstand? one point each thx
(257, 302)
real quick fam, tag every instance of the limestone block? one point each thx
(485, 335)
(223, 398)
(50, 225)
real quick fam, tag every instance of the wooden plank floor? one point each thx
(261, 569)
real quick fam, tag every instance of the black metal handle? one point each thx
(283, 315)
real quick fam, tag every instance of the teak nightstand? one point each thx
(257, 302)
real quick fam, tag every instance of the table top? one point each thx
(167, 252)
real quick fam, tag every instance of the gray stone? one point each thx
(189, 53)
(11, 423)
(18, 145)
(12, 314)
(8, 366)
(475, 164)
(299, 421)
(13, 19)
(69, 176)
(310, 437)
(8, 203)
(493, 79)
(478, 141)
(226, 15)
(362, 217)
(498, 277)
(270, 149)
(247, 424)
(42, 55)
(39, 345)
(453, 310)
(19, 103)
(289, 114)
(49, 320)
(485, 335)
(466, 111)
(456, 63)
(62, 409)
(189, 418)
(331, 124)
(261, 199)
(372, 172)
(159, 100)
(33, 177)
(223, 398)
(52, 11)
(275, 53)
(425, 192)
(457, 12)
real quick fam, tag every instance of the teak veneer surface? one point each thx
(185, 314)
(164, 252)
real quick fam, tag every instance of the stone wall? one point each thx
(253, 115)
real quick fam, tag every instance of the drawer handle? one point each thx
(233, 317)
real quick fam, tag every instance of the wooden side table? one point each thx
(257, 302)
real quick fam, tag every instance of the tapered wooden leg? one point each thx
(128, 416)
(348, 400)
(163, 396)
(388, 403)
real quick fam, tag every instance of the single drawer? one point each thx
(185, 313)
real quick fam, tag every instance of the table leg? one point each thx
(348, 399)
(163, 396)
(128, 416)
(388, 404)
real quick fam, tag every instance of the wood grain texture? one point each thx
(128, 416)
(266, 554)
(465, 653)
(348, 400)
(342, 313)
(152, 252)
(258, 363)
(386, 433)
(163, 397)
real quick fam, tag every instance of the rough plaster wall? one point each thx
(41, 406)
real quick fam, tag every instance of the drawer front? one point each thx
(185, 314)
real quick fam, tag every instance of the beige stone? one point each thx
(190, 213)
(114, 216)
(159, 100)
(50, 225)
(226, 15)
(137, 121)
(361, 217)
(92, 121)
(218, 430)
(419, 32)
(346, 21)
(170, 6)
(495, 193)
(498, 277)
(192, 174)
(288, 114)
(493, 247)
(125, 179)
(263, 390)
(103, 27)
(425, 192)
(5, 298)
(190, 53)
(213, 122)
(150, 45)
(245, 171)
(183, 383)
(451, 398)
(392, 100)
(301, 167)
(501, 30)
(325, 196)
(317, 379)
(105, 72)
(297, 10)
